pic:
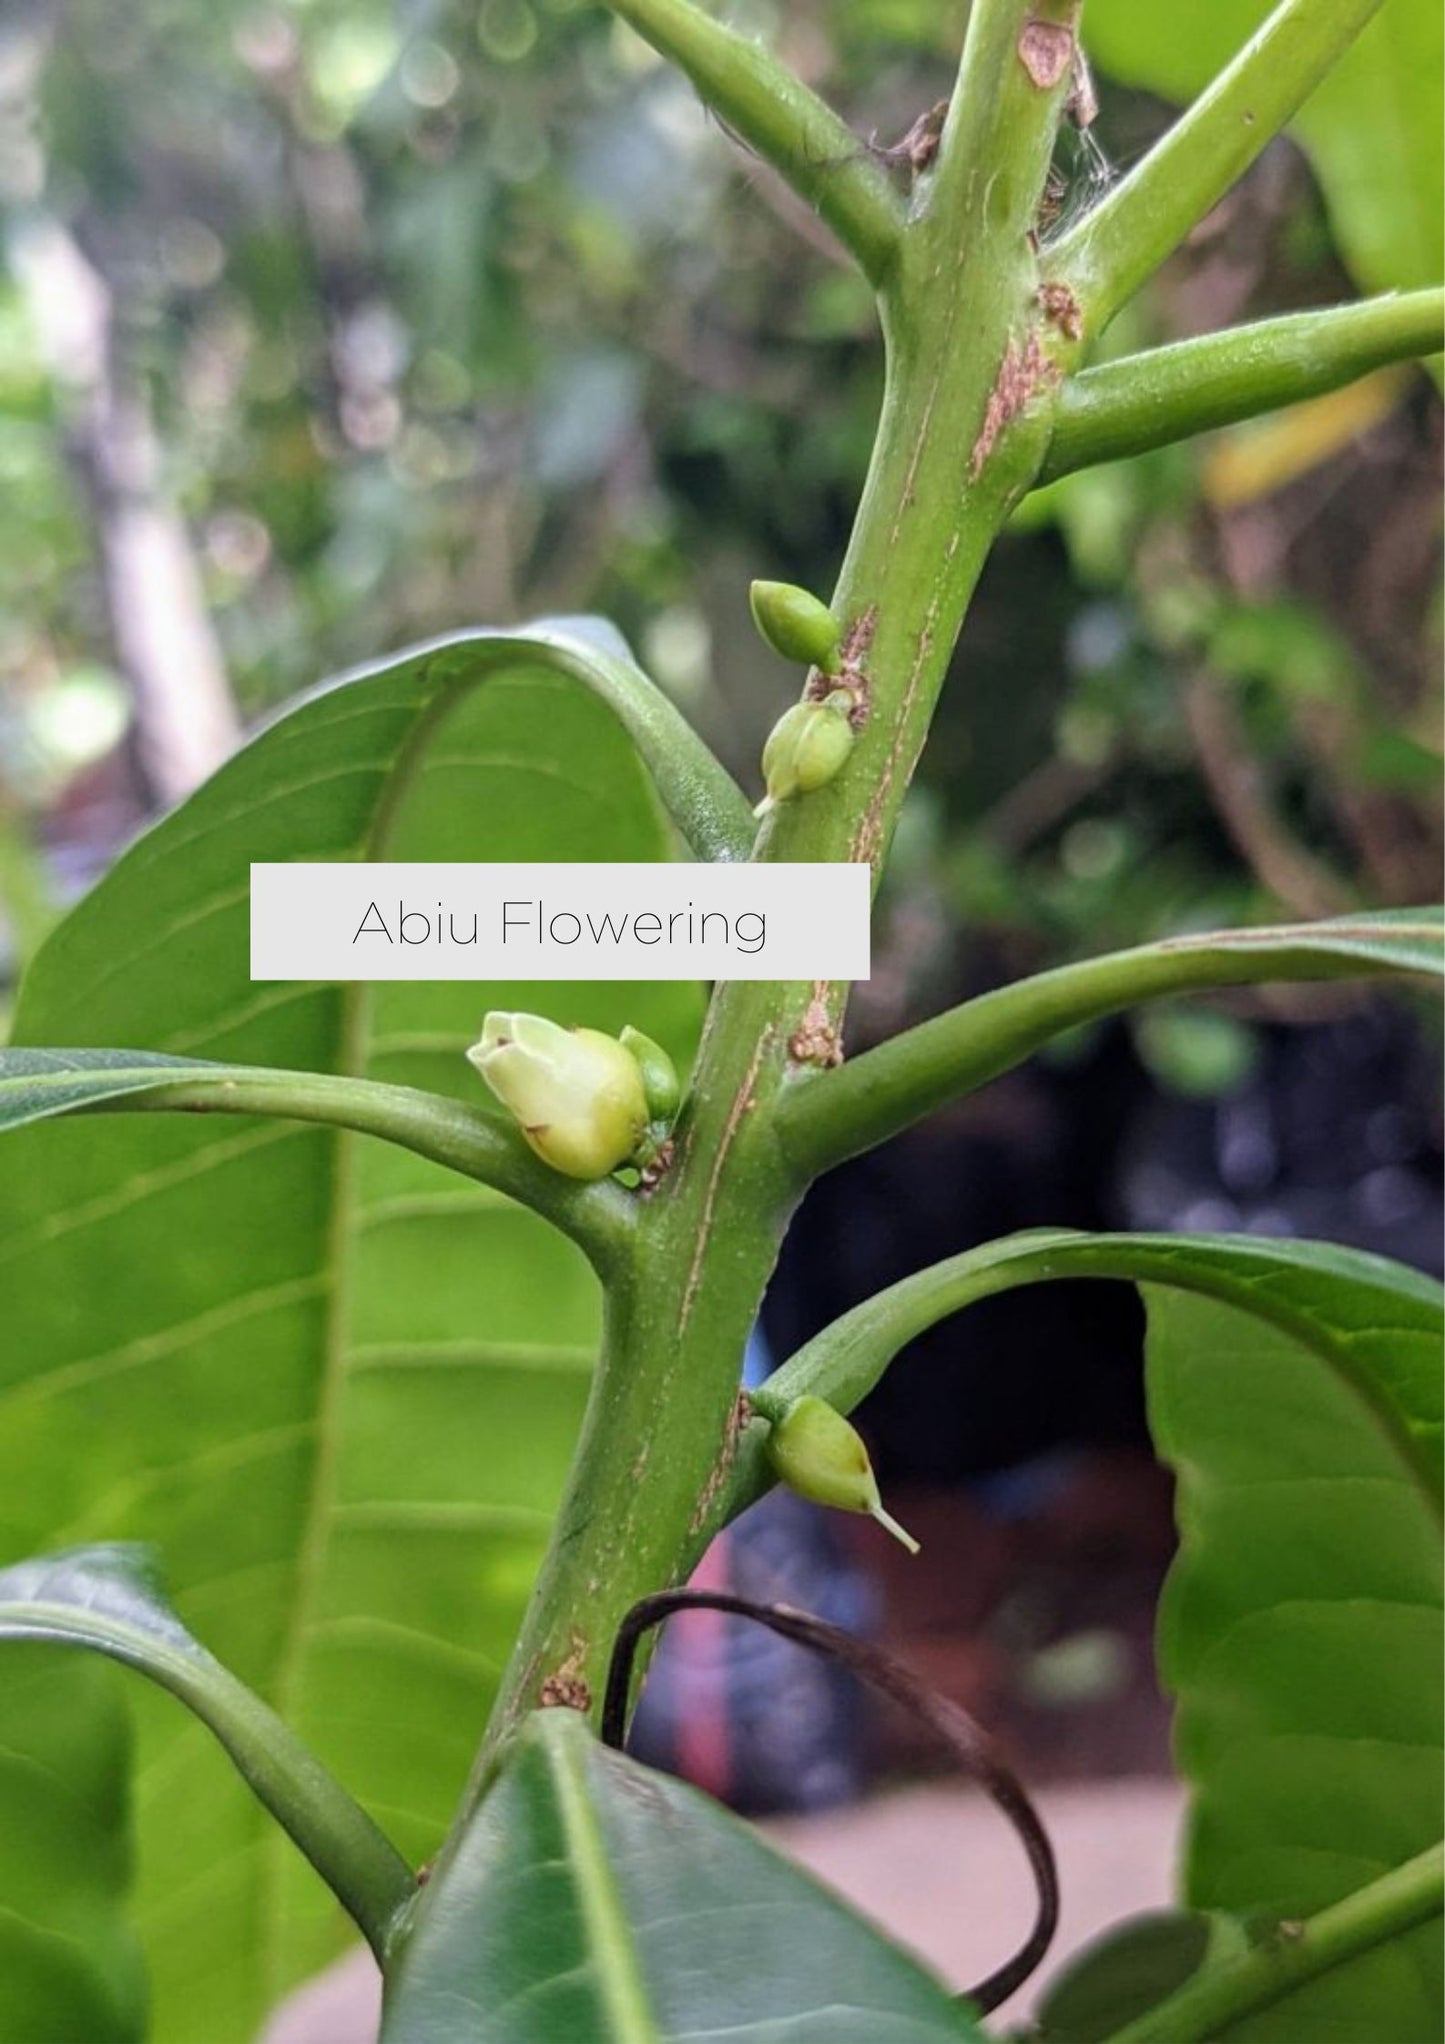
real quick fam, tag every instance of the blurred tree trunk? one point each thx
(186, 721)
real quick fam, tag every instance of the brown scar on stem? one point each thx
(870, 830)
(561, 1693)
(1046, 51)
(1060, 306)
(852, 682)
(651, 1175)
(1022, 372)
(860, 635)
(905, 495)
(565, 1688)
(739, 1108)
(739, 1413)
(817, 1039)
(851, 675)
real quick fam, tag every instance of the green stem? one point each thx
(776, 115)
(1219, 1997)
(1151, 400)
(1117, 246)
(659, 1435)
(357, 1861)
(844, 1362)
(832, 1116)
(599, 1218)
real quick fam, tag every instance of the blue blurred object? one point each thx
(763, 1725)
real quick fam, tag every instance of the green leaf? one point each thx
(1381, 940)
(1301, 1628)
(1126, 1972)
(1301, 1636)
(108, 1599)
(1389, 940)
(37, 1085)
(1372, 130)
(593, 1900)
(836, 1114)
(336, 1386)
(70, 1965)
(1376, 1323)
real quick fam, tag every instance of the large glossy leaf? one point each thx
(336, 1386)
(593, 1900)
(1372, 130)
(1376, 1323)
(1301, 1637)
(1296, 1390)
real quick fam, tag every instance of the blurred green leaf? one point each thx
(70, 1964)
(593, 1900)
(108, 1599)
(1199, 1052)
(1300, 1632)
(336, 1386)
(1294, 1388)
(1285, 644)
(1124, 1973)
(1372, 130)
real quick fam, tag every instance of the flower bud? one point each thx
(796, 624)
(806, 747)
(821, 1456)
(577, 1095)
(659, 1074)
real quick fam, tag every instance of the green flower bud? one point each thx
(659, 1074)
(806, 747)
(576, 1094)
(821, 1456)
(796, 624)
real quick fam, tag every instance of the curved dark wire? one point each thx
(965, 1739)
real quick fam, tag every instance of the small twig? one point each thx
(1124, 240)
(1168, 394)
(781, 120)
(1236, 788)
(963, 1736)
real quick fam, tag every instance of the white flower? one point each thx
(576, 1095)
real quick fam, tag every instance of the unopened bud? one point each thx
(821, 1456)
(796, 624)
(659, 1074)
(577, 1095)
(807, 747)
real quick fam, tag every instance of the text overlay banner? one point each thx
(571, 922)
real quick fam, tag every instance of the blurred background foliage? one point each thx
(325, 327)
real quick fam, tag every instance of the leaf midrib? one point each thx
(610, 1948)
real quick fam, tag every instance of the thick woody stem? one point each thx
(962, 430)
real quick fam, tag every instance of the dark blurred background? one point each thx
(326, 327)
